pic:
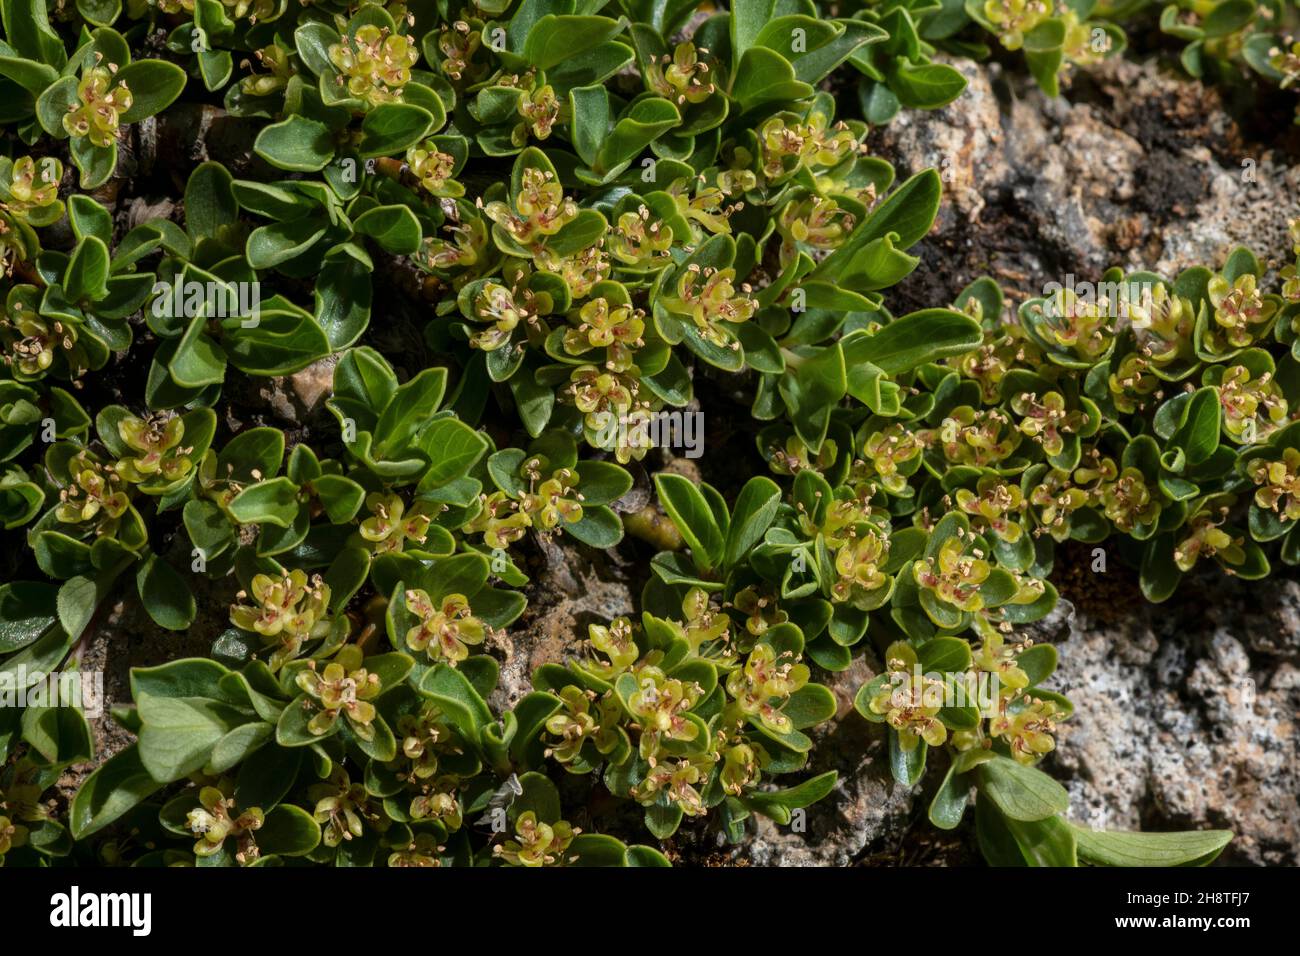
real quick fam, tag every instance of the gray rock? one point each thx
(1132, 168)
(1181, 723)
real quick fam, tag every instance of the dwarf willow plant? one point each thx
(600, 204)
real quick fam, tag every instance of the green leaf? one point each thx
(268, 246)
(165, 595)
(928, 86)
(297, 143)
(598, 527)
(55, 103)
(1198, 431)
(395, 127)
(1119, 848)
(60, 735)
(913, 340)
(27, 610)
(267, 502)
(950, 800)
(755, 507)
(288, 831)
(663, 820)
(685, 506)
(78, 600)
(907, 766)
(395, 228)
(793, 798)
(944, 655)
(96, 163)
(555, 39)
(589, 106)
(907, 213)
(116, 786)
(450, 689)
(189, 677)
(87, 274)
(32, 76)
(409, 410)
(1021, 792)
(154, 86)
(180, 732)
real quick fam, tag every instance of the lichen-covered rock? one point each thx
(1186, 716)
(1133, 167)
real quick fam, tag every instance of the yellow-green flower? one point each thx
(910, 703)
(434, 168)
(1287, 62)
(537, 843)
(422, 851)
(343, 809)
(860, 564)
(390, 525)
(953, 576)
(583, 718)
(458, 43)
(814, 221)
(344, 688)
(994, 504)
(33, 341)
(659, 704)
(786, 144)
(12, 835)
(375, 63)
(1014, 18)
(423, 737)
(761, 610)
(794, 456)
(276, 59)
(703, 625)
(158, 443)
(505, 310)
(709, 298)
(99, 114)
(1279, 484)
(1132, 383)
(888, 452)
(682, 77)
(969, 437)
(1085, 328)
(540, 209)
(212, 823)
(681, 779)
(995, 657)
(600, 325)
(1056, 498)
(637, 240)
(1028, 732)
(554, 501)
(539, 108)
(26, 192)
(1241, 312)
(1128, 501)
(444, 628)
(1163, 323)
(96, 493)
(500, 520)
(1253, 407)
(1203, 538)
(288, 610)
(742, 765)
(1047, 420)
(761, 687)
